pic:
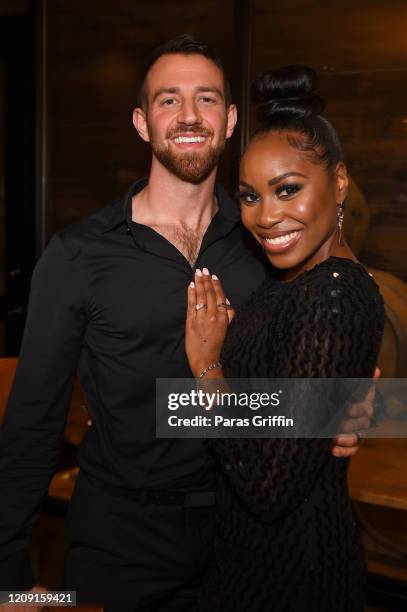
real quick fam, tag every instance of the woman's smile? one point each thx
(278, 242)
(289, 202)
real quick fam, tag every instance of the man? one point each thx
(109, 296)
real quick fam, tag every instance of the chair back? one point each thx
(7, 369)
(77, 421)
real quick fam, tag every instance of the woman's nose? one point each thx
(268, 215)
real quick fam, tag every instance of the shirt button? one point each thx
(228, 467)
(128, 230)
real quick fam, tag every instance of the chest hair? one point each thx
(187, 240)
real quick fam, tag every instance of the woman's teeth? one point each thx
(181, 139)
(282, 239)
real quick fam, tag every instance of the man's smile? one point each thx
(190, 140)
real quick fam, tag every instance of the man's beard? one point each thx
(190, 167)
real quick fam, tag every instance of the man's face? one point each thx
(186, 119)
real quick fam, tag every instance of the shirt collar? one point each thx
(121, 212)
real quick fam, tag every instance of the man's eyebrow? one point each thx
(200, 89)
(216, 90)
(281, 177)
(163, 90)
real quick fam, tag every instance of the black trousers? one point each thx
(132, 556)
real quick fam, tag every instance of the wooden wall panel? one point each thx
(360, 51)
(2, 208)
(95, 53)
(13, 7)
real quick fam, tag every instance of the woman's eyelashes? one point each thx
(248, 197)
(284, 191)
(288, 190)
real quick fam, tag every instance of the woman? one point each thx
(286, 538)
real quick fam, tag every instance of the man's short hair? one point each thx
(185, 44)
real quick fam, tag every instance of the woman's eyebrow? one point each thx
(281, 177)
(243, 184)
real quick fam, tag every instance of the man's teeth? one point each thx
(180, 139)
(282, 239)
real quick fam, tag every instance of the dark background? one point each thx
(69, 76)
(70, 71)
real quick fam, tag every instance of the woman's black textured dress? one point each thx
(286, 538)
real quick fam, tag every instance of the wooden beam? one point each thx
(41, 174)
(241, 79)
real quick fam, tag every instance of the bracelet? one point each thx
(212, 366)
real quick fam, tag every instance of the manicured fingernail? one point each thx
(198, 272)
(192, 284)
(205, 271)
(214, 277)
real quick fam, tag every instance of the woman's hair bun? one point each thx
(287, 92)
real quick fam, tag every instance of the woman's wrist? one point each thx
(201, 365)
(216, 373)
(206, 371)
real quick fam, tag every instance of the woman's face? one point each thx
(289, 203)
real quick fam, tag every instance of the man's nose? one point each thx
(189, 113)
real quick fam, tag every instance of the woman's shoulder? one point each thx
(339, 279)
(336, 271)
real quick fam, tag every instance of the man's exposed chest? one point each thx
(186, 239)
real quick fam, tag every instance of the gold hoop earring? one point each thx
(341, 241)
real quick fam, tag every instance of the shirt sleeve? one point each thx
(32, 430)
(320, 333)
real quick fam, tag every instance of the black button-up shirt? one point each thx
(108, 298)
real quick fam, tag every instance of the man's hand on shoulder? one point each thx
(358, 418)
(346, 445)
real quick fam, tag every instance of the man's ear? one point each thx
(140, 123)
(342, 182)
(232, 119)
